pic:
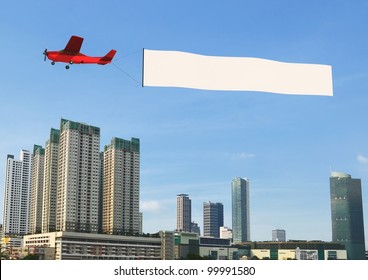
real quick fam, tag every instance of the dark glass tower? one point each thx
(347, 214)
(240, 209)
(213, 218)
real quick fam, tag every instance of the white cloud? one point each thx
(151, 206)
(241, 156)
(362, 159)
(245, 155)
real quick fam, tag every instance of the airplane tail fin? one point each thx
(108, 57)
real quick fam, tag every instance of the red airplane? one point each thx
(71, 54)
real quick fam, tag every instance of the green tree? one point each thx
(30, 257)
(4, 255)
(196, 257)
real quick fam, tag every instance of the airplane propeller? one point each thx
(45, 54)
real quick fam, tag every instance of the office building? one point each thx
(50, 181)
(78, 177)
(213, 218)
(279, 235)
(183, 213)
(240, 209)
(347, 214)
(36, 190)
(194, 227)
(226, 233)
(17, 191)
(121, 214)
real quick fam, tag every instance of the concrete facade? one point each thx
(90, 246)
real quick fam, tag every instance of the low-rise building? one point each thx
(222, 249)
(167, 245)
(11, 247)
(297, 250)
(90, 246)
(189, 245)
(226, 232)
(186, 244)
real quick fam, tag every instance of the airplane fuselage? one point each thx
(57, 56)
(71, 54)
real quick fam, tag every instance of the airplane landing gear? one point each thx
(67, 67)
(53, 63)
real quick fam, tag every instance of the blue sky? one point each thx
(196, 141)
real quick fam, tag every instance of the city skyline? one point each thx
(36, 166)
(196, 141)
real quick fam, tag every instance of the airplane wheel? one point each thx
(67, 67)
(53, 63)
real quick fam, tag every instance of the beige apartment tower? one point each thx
(50, 182)
(183, 213)
(78, 177)
(121, 173)
(36, 190)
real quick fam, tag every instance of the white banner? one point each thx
(187, 70)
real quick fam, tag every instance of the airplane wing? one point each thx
(74, 45)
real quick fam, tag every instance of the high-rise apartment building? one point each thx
(50, 181)
(36, 190)
(183, 213)
(347, 214)
(213, 218)
(240, 209)
(100, 196)
(121, 187)
(78, 177)
(278, 235)
(17, 191)
(70, 185)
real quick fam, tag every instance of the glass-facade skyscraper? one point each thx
(347, 214)
(213, 218)
(240, 209)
